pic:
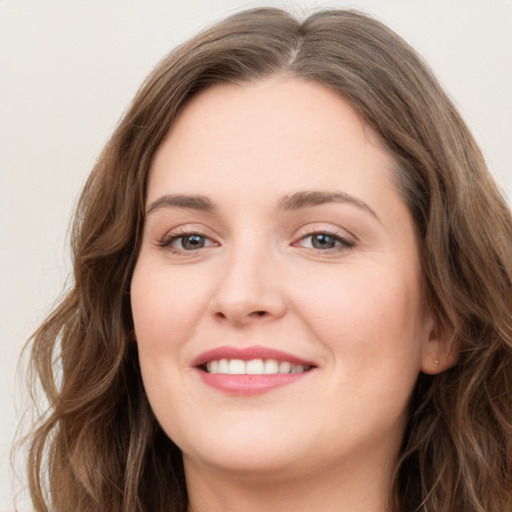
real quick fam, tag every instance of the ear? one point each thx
(439, 351)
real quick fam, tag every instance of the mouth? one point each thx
(253, 367)
(250, 370)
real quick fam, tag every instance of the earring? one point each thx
(436, 363)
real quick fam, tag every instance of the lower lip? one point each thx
(249, 384)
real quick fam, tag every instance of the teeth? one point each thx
(253, 367)
(236, 367)
(285, 367)
(271, 366)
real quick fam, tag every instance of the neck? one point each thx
(357, 488)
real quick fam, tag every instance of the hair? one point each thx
(98, 445)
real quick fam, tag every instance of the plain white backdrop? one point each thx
(67, 72)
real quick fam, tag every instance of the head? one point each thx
(460, 226)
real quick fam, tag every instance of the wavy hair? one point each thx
(99, 447)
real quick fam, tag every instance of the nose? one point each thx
(249, 289)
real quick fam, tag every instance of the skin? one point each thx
(356, 310)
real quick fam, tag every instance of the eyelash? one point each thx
(167, 242)
(344, 244)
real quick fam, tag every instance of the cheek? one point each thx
(165, 307)
(367, 322)
(368, 318)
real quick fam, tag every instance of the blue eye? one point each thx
(325, 241)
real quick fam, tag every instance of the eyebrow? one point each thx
(296, 201)
(193, 202)
(308, 199)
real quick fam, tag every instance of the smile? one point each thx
(250, 370)
(254, 367)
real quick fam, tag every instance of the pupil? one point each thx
(193, 242)
(323, 241)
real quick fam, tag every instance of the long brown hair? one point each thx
(98, 445)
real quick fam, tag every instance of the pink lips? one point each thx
(246, 354)
(247, 384)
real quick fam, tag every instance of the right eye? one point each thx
(187, 242)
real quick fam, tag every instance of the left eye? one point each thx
(324, 241)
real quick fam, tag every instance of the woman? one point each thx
(292, 289)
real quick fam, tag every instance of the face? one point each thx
(277, 297)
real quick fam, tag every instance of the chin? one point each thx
(248, 449)
(247, 464)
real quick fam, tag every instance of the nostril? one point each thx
(239, 314)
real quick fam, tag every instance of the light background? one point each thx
(67, 72)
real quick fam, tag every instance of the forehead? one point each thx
(285, 131)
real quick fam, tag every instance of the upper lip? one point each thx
(246, 354)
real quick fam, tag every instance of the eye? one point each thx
(324, 241)
(187, 242)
